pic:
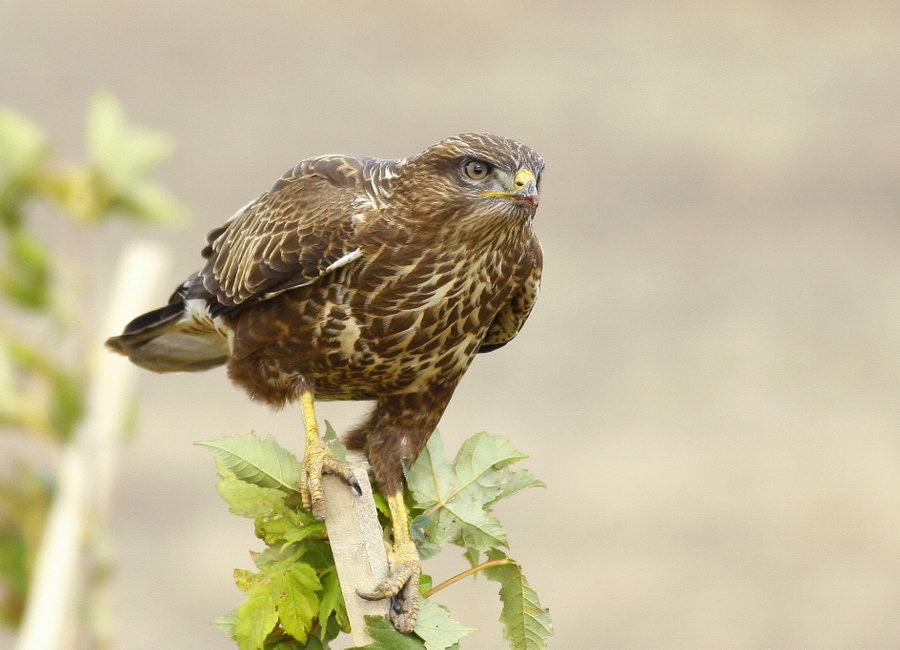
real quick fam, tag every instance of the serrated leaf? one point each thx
(259, 462)
(271, 556)
(436, 628)
(251, 501)
(320, 638)
(256, 616)
(244, 579)
(426, 547)
(426, 582)
(334, 443)
(298, 534)
(464, 521)
(297, 603)
(226, 624)
(458, 496)
(331, 601)
(387, 637)
(481, 453)
(526, 625)
(431, 477)
(284, 526)
(517, 481)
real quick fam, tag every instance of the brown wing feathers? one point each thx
(285, 240)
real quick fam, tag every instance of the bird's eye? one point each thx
(477, 170)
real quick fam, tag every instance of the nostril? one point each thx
(522, 178)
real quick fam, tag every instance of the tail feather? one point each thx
(168, 340)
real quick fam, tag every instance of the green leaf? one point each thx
(387, 637)
(260, 462)
(245, 579)
(226, 624)
(481, 466)
(458, 496)
(297, 603)
(426, 547)
(321, 637)
(271, 556)
(464, 521)
(431, 478)
(332, 600)
(256, 616)
(334, 443)
(517, 482)
(297, 533)
(248, 500)
(526, 625)
(436, 628)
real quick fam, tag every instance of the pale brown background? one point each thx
(708, 384)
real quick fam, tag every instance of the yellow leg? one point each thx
(404, 570)
(316, 460)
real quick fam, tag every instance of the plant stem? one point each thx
(467, 572)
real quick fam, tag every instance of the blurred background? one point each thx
(709, 382)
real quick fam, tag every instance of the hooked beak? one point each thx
(525, 190)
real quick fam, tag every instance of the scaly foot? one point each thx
(404, 570)
(317, 460)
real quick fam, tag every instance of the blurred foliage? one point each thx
(294, 601)
(42, 391)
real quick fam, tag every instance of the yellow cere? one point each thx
(522, 178)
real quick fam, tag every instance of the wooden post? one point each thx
(357, 542)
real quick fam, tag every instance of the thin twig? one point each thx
(468, 572)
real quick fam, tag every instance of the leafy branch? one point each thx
(448, 502)
(43, 369)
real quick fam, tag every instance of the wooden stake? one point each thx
(357, 542)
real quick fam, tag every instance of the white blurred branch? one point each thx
(87, 469)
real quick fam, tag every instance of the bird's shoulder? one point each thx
(310, 222)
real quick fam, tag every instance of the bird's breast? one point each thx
(385, 326)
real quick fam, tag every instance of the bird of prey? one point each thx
(363, 279)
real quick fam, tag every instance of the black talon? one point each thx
(396, 606)
(365, 596)
(356, 487)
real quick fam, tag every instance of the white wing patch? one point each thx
(343, 261)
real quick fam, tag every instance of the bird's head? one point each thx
(477, 180)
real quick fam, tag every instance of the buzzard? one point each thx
(363, 279)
